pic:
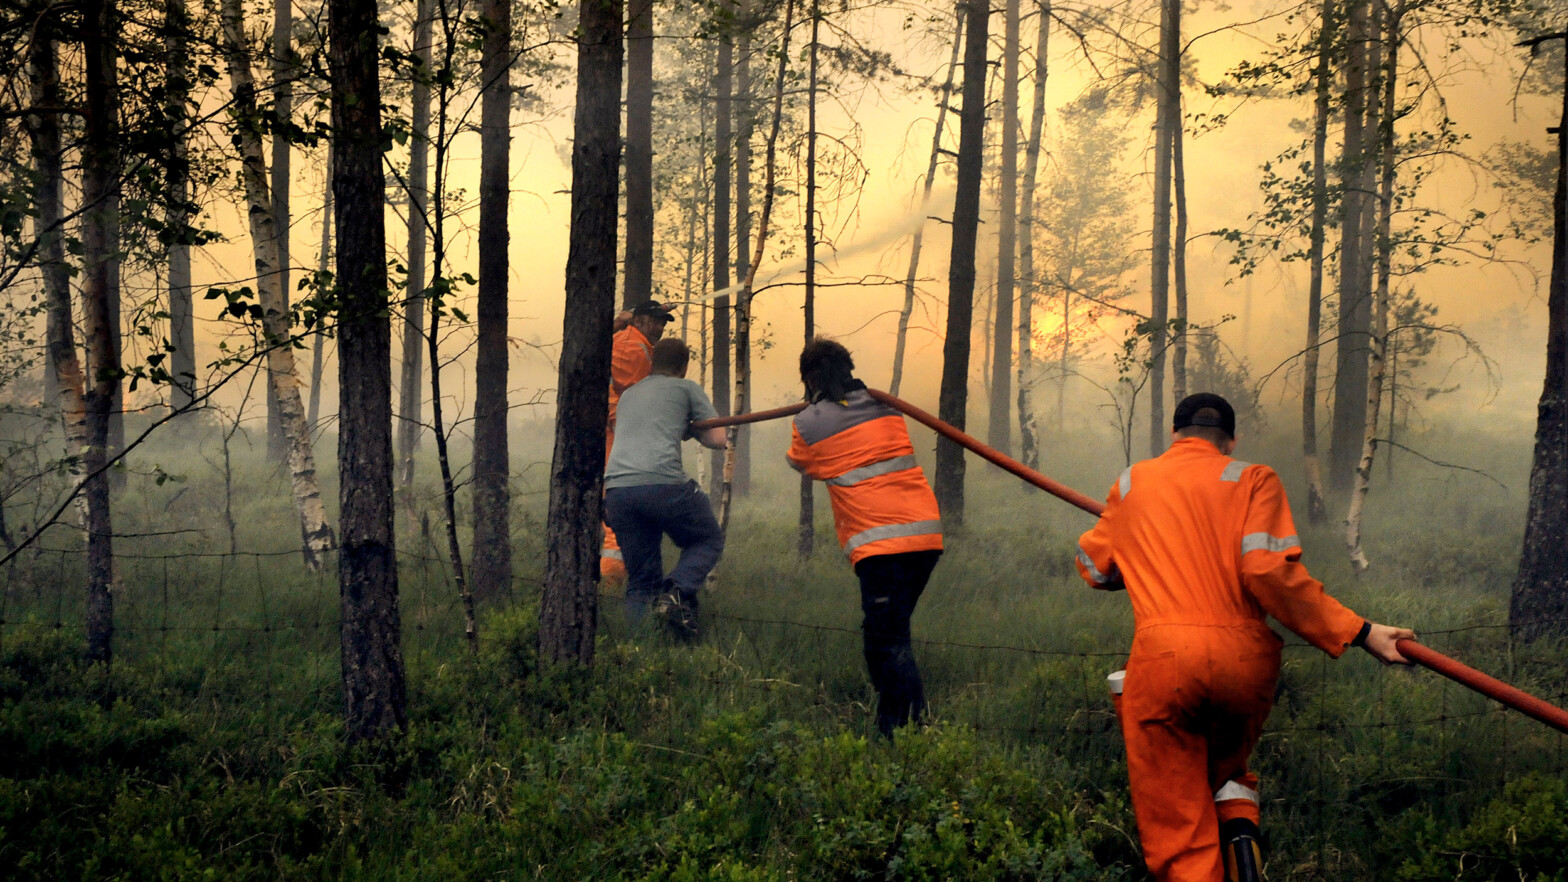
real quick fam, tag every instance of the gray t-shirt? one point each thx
(652, 419)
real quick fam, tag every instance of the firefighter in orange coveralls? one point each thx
(885, 514)
(631, 360)
(1206, 549)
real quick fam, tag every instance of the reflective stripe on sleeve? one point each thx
(1233, 470)
(891, 531)
(1266, 542)
(1124, 483)
(612, 554)
(876, 469)
(1094, 572)
(1233, 790)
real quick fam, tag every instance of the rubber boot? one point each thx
(1240, 841)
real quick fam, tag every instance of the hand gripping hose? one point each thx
(1464, 675)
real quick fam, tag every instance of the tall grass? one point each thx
(213, 747)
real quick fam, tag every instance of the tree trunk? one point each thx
(411, 379)
(1179, 261)
(743, 310)
(1355, 308)
(954, 397)
(375, 695)
(1167, 120)
(182, 324)
(283, 111)
(925, 202)
(323, 265)
(265, 240)
(492, 553)
(1028, 435)
(1388, 81)
(639, 153)
(100, 245)
(568, 617)
(737, 459)
(65, 366)
(719, 353)
(806, 535)
(1539, 603)
(998, 427)
(1317, 512)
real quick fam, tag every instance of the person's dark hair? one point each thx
(827, 369)
(670, 356)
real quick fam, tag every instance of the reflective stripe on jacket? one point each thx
(1198, 538)
(861, 450)
(631, 361)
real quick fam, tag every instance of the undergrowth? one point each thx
(212, 748)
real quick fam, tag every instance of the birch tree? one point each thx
(274, 311)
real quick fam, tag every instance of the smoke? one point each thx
(904, 225)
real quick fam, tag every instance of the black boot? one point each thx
(1241, 843)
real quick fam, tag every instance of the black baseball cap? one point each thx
(653, 309)
(1191, 412)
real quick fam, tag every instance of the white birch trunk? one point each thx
(314, 530)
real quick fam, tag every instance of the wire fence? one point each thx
(1342, 755)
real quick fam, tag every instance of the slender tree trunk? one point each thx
(954, 398)
(925, 201)
(375, 694)
(411, 379)
(1028, 434)
(999, 427)
(323, 266)
(492, 553)
(806, 536)
(100, 268)
(639, 153)
(743, 310)
(48, 226)
(1167, 118)
(265, 240)
(719, 353)
(65, 366)
(438, 307)
(737, 459)
(1355, 308)
(568, 617)
(1179, 262)
(1317, 511)
(283, 110)
(182, 324)
(1388, 82)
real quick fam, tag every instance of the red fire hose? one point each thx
(1464, 675)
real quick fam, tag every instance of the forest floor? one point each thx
(212, 747)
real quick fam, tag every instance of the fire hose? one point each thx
(1464, 675)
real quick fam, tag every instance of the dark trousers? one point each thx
(890, 586)
(640, 517)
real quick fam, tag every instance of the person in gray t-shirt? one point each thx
(648, 495)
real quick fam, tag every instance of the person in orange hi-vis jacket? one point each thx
(885, 513)
(1206, 549)
(631, 360)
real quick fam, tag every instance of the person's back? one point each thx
(653, 418)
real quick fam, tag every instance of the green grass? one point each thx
(213, 748)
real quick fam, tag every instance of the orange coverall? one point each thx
(631, 360)
(1206, 548)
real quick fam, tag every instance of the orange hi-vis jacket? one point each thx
(1198, 538)
(631, 361)
(860, 448)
